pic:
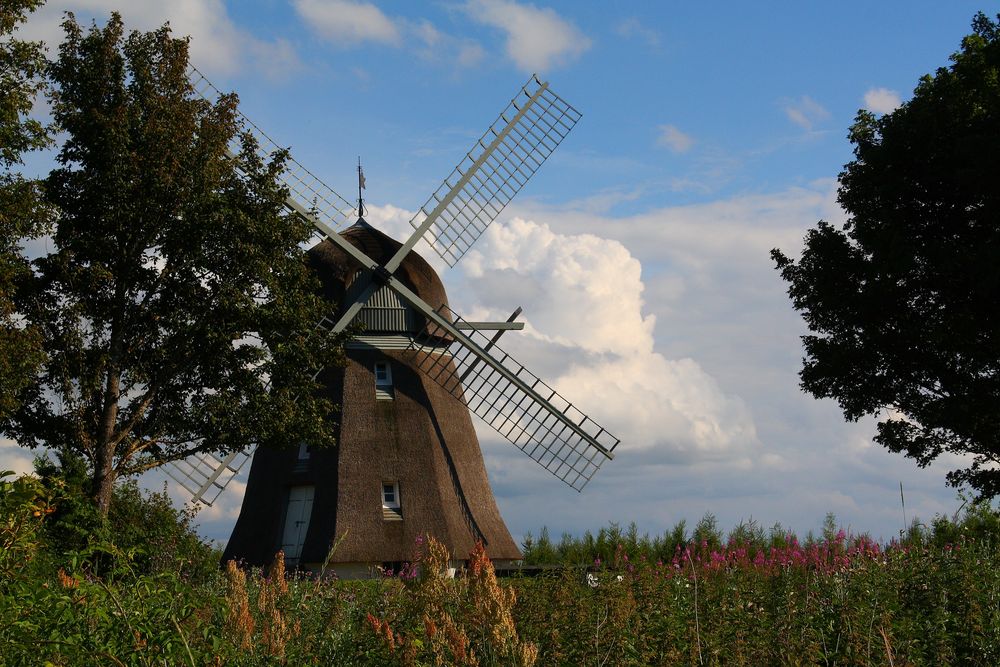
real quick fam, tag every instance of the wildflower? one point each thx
(65, 580)
(430, 628)
(591, 580)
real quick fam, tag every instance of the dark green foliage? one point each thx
(177, 311)
(143, 527)
(22, 214)
(903, 302)
(612, 543)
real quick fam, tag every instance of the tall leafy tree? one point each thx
(177, 310)
(22, 214)
(903, 303)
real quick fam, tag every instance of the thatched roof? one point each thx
(336, 269)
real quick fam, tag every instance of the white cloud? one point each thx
(470, 53)
(632, 27)
(538, 39)
(675, 140)
(226, 506)
(347, 23)
(587, 335)
(881, 100)
(218, 45)
(590, 292)
(13, 457)
(805, 112)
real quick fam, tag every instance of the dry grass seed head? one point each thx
(239, 621)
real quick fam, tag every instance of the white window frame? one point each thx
(387, 381)
(391, 504)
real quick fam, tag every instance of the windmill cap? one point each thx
(337, 270)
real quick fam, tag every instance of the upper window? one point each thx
(383, 374)
(383, 381)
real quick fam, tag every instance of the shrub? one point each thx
(157, 536)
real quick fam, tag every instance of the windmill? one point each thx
(408, 461)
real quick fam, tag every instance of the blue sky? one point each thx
(710, 134)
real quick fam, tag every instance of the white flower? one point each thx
(591, 580)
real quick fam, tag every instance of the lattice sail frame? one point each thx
(499, 164)
(205, 476)
(304, 187)
(529, 424)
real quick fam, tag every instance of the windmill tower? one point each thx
(408, 461)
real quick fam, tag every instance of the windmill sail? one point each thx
(499, 164)
(526, 411)
(303, 186)
(205, 476)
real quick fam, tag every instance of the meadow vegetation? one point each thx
(141, 588)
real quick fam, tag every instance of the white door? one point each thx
(300, 502)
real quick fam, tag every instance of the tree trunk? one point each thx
(104, 476)
(104, 461)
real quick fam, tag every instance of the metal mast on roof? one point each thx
(361, 186)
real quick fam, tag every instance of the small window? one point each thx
(304, 451)
(383, 381)
(390, 495)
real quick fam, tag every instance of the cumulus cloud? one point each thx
(587, 329)
(673, 139)
(218, 45)
(347, 23)
(538, 39)
(588, 334)
(805, 112)
(881, 100)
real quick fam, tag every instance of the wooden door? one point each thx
(300, 500)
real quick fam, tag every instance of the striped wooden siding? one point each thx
(385, 311)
